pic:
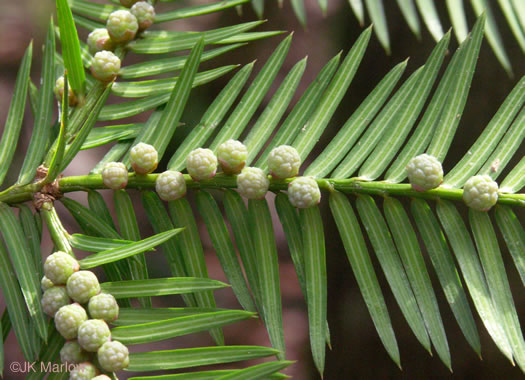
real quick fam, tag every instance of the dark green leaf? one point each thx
(93, 10)
(160, 86)
(485, 144)
(507, 147)
(104, 135)
(160, 221)
(331, 98)
(49, 355)
(197, 10)
(448, 276)
(160, 286)
(468, 261)
(374, 132)
(301, 112)
(87, 23)
(190, 246)
(238, 218)
(27, 220)
(161, 134)
(259, 371)
(192, 357)
(166, 42)
(12, 293)
(211, 118)
(169, 328)
(82, 135)
(119, 253)
(23, 263)
(204, 375)
(58, 155)
(448, 121)
(400, 126)
(82, 112)
(247, 37)
(441, 101)
(291, 224)
(132, 108)
(40, 133)
(166, 65)
(497, 281)
(514, 236)
(98, 205)
(95, 244)
(363, 269)
(15, 115)
(316, 287)
(223, 245)
(33, 95)
(136, 316)
(392, 266)
(87, 218)
(414, 263)
(515, 180)
(129, 229)
(71, 47)
(268, 267)
(240, 117)
(352, 129)
(268, 120)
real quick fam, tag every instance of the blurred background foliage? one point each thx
(357, 352)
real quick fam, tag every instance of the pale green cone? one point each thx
(170, 185)
(424, 172)
(105, 66)
(59, 266)
(83, 371)
(115, 175)
(122, 26)
(72, 353)
(303, 192)
(145, 14)
(252, 183)
(284, 162)
(68, 319)
(92, 334)
(480, 192)
(232, 156)
(201, 164)
(103, 306)
(113, 356)
(144, 158)
(82, 285)
(53, 299)
(99, 40)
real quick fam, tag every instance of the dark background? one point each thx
(357, 351)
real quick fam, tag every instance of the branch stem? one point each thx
(220, 181)
(57, 231)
